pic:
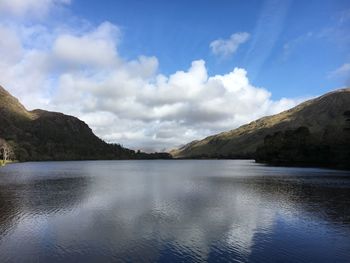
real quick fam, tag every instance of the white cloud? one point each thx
(226, 47)
(29, 7)
(10, 46)
(95, 48)
(342, 71)
(80, 72)
(23, 70)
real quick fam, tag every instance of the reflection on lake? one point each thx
(173, 211)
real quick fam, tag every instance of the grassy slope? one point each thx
(316, 114)
(43, 135)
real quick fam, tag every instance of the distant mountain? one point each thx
(324, 117)
(44, 135)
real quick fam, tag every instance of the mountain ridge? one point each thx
(243, 141)
(39, 135)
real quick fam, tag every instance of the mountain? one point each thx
(301, 148)
(324, 117)
(43, 135)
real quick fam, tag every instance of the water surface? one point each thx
(173, 211)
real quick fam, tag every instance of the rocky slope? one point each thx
(43, 135)
(323, 116)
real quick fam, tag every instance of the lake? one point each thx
(173, 211)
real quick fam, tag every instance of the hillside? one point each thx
(44, 135)
(323, 116)
(301, 148)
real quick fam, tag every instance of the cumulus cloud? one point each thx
(80, 72)
(226, 47)
(10, 45)
(29, 7)
(95, 48)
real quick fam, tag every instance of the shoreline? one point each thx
(188, 159)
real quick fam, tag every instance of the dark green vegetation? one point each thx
(315, 132)
(42, 135)
(300, 147)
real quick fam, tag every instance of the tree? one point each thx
(5, 151)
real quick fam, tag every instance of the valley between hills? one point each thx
(314, 133)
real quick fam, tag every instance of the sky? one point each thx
(154, 74)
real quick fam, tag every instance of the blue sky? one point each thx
(157, 74)
(294, 45)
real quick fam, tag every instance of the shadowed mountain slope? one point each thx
(44, 135)
(323, 116)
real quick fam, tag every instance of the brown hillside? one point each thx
(319, 114)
